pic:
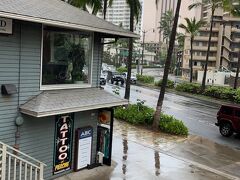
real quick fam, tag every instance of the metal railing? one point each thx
(17, 165)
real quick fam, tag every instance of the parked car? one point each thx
(133, 78)
(116, 78)
(102, 81)
(228, 120)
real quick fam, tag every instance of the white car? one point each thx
(133, 78)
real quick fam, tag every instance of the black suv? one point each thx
(117, 78)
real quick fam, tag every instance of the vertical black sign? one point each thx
(63, 143)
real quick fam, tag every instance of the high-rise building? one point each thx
(224, 48)
(163, 6)
(119, 14)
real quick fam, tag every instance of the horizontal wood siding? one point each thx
(36, 134)
(22, 46)
(97, 57)
(38, 138)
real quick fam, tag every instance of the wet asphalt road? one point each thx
(198, 115)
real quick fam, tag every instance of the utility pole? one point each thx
(144, 32)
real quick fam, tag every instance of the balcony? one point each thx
(236, 30)
(225, 57)
(236, 40)
(214, 29)
(204, 38)
(203, 58)
(203, 48)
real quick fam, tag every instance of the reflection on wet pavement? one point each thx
(146, 137)
(143, 154)
(135, 161)
(157, 163)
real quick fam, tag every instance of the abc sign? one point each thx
(3, 23)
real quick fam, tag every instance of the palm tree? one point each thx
(166, 24)
(233, 7)
(157, 114)
(95, 5)
(192, 28)
(212, 5)
(135, 10)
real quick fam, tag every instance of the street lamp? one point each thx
(143, 45)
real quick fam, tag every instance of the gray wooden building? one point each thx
(50, 101)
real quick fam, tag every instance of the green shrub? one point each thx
(226, 93)
(170, 84)
(145, 79)
(122, 69)
(139, 114)
(189, 87)
(171, 125)
(237, 96)
(135, 114)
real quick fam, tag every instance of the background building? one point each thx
(224, 44)
(119, 14)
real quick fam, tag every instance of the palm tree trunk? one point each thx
(191, 61)
(104, 8)
(166, 69)
(236, 78)
(130, 49)
(207, 57)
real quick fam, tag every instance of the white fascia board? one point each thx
(72, 110)
(65, 24)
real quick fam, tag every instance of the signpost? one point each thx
(84, 138)
(63, 144)
(5, 26)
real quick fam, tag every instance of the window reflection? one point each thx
(66, 58)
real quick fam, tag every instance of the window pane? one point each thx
(227, 110)
(66, 58)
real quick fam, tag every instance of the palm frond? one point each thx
(110, 3)
(194, 5)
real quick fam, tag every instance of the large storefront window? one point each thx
(66, 58)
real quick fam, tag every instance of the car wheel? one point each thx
(112, 81)
(122, 82)
(226, 129)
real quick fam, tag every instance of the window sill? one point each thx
(63, 86)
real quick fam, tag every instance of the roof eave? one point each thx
(71, 110)
(67, 25)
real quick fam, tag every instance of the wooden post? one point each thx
(41, 171)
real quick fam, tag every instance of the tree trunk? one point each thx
(191, 61)
(130, 49)
(207, 57)
(104, 8)
(157, 114)
(236, 78)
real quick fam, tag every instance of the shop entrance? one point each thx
(104, 135)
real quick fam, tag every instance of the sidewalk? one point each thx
(141, 154)
(194, 150)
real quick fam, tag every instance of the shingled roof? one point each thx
(59, 13)
(67, 101)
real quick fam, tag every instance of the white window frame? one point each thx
(67, 86)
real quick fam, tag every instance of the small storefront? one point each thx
(51, 105)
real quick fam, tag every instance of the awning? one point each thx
(56, 102)
(60, 14)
